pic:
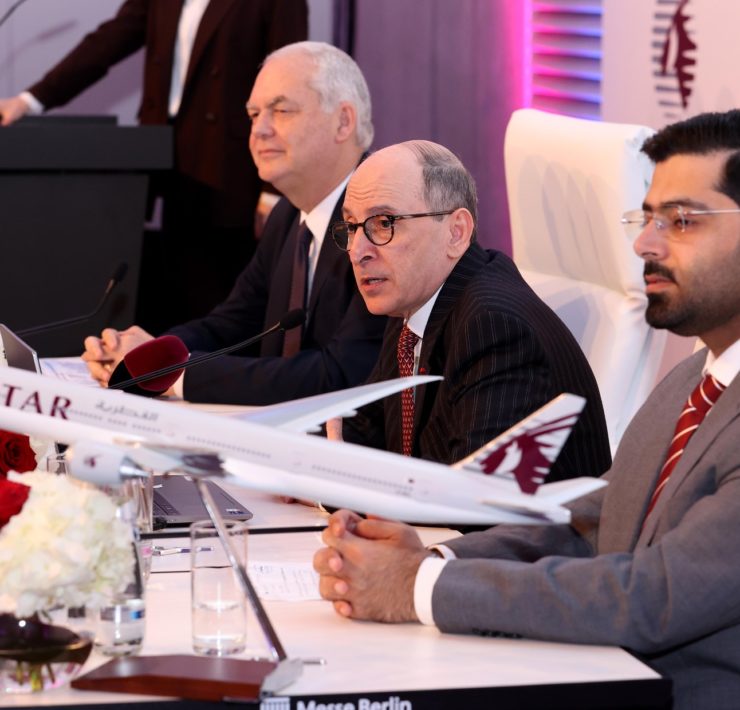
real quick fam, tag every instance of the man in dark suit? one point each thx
(311, 123)
(410, 228)
(202, 57)
(649, 562)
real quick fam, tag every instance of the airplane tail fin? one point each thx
(527, 450)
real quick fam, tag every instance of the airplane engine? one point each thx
(102, 464)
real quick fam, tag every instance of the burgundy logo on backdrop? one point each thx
(674, 56)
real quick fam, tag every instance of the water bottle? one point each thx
(122, 620)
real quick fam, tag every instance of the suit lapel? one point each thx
(329, 256)
(209, 23)
(167, 20)
(279, 295)
(432, 357)
(726, 410)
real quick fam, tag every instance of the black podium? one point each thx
(73, 194)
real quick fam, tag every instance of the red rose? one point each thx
(12, 499)
(16, 453)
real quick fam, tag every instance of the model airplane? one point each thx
(113, 434)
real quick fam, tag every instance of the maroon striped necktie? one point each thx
(700, 401)
(406, 344)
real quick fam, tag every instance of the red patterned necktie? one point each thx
(406, 344)
(700, 401)
(298, 282)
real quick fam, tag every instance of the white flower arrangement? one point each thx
(66, 547)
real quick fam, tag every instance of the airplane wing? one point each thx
(527, 450)
(307, 414)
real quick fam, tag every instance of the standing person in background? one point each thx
(202, 57)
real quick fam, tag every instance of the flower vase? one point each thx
(36, 656)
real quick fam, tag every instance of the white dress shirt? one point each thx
(187, 28)
(317, 221)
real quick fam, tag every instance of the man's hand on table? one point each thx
(369, 566)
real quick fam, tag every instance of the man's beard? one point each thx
(674, 314)
(678, 318)
(687, 317)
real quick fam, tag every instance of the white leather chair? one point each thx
(568, 182)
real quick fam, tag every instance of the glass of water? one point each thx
(219, 606)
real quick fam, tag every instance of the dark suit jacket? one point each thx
(211, 129)
(340, 343)
(503, 353)
(667, 587)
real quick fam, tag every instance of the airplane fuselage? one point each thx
(262, 457)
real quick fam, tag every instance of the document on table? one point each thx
(284, 582)
(72, 369)
(273, 581)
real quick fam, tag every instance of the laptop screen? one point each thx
(17, 353)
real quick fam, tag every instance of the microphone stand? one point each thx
(285, 323)
(287, 670)
(117, 277)
(193, 361)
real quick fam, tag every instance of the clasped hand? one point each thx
(104, 353)
(369, 566)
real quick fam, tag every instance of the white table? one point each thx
(407, 666)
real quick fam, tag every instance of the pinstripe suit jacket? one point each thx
(503, 353)
(668, 590)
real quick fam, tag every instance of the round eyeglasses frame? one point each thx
(344, 232)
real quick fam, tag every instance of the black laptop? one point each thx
(177, 502)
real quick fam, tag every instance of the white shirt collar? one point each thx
(417, 323)
(724, 368)
(317, 221)
(319, 217)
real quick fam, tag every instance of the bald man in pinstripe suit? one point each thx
(409, 229)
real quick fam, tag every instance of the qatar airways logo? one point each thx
(674, 56)
(529, 456)
(24, 400)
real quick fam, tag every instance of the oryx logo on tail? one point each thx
(527, 450)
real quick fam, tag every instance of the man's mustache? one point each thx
(653, 268)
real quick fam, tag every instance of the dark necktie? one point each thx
(406, 344)
(700, 401)
(298, 282)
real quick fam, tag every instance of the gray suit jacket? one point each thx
(669, 590)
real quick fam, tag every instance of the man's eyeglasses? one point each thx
(673, 220)
(378, 228)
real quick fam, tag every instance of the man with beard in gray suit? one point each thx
(650, 562)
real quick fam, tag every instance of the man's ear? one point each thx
(461, 232)
(346, 121)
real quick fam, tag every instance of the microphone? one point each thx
(146, 363)
(115, 279)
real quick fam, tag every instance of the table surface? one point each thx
(367, 662)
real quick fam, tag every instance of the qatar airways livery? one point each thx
(112, 435)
